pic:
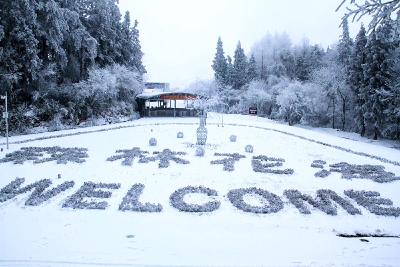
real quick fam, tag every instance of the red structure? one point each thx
(167, 104)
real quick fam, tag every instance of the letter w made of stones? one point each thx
(40, 193)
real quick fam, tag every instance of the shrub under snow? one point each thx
(152, 142)
(200, 151)
(249, 149)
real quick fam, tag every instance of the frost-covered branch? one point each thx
(377, 9)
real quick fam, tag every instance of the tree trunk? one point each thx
(333, 113)
(362, 133)
(376, 133)
(343, 114)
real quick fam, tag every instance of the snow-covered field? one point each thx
(52, 235)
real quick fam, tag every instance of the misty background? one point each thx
(178, 37)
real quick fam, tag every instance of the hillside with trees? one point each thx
(352, 85)
(65, 62)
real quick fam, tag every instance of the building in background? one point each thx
(152, 87)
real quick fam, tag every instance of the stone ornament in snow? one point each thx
(46, 154)
(265, 164)
(131, 201)
(233, 138)
(177, 199)
(90, 190)
(199, 151)
(249, 149)
(39, 194)
(153, 142)
(179, 135)
(128, 155)
(165, 157)
(374, 203)
(228, 161)
(323, 202)
(202, 132)
(271, 202)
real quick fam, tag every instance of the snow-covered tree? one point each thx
(219, 64)
(102, 20)
(379, 75)
(20, 63)
(301, 103)
(345, 46)
(252, 69)
(357, 81)
(332, 80)
(131, 51)
(239, 67)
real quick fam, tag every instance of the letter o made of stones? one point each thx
(273, 202)
(176, 199)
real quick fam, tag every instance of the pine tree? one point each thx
(391, 98)
(239, 68)
(252, 69)
(137, 56)
(229, 71)
(131, 52)
(219, 64)
(345, 46)
(356, 78)
(379, 75)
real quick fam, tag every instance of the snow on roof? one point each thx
(156, 94)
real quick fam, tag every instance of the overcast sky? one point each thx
(179, 37)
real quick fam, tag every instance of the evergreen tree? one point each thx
(239, 68)
(229, 71)
(252, 69)
(345, 46)
(137, 54)
(391, 98)
(356, 78)
(379, 75)
(307, 58)
(344, 63)
(20, 63)
(102, 20)
(131, 52)
(219, 64)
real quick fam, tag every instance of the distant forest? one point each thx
(64, 62)
(353, 85)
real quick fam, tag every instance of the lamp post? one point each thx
(5, 115)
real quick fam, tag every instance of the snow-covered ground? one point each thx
(50, 235)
